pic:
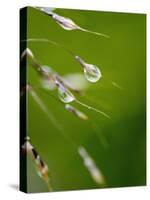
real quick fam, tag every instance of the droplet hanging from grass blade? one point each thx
(64, 22)
(68, 24)
(91, 72)
(64, 94)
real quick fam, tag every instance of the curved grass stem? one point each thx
(92, 108)
(44, 40)
(93, 32)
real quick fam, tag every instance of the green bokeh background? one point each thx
(122, 59)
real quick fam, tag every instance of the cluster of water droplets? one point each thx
(91, 72)
(54, 80)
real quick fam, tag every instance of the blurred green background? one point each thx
(122, 59)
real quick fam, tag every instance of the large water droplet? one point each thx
(65, 95)
(92, 73)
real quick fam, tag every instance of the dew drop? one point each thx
(64, 94)
(92, 73)
(67, 23)
(64, 22)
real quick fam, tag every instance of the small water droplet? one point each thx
(92, 73)
(64, 94)
(64, 22)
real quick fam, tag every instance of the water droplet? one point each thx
(64, 94)
(64, 22)
(67, 23)
(92, 73)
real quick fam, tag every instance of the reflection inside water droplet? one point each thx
(92, 73)
(65, 95)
